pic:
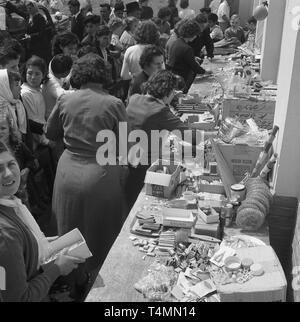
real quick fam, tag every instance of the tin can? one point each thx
(228, 215)
(238, 191)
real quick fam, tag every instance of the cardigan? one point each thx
(181, 59)
(19, 257)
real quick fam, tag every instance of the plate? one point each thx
(242, 241)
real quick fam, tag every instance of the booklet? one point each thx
(74, 242)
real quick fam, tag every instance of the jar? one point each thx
(238, 191)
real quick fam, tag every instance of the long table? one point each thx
(124, 265)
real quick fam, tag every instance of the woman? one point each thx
(146, 34)
(39, 42)
(151, 112)
(23, 247)
(180, 56)
(87, 195)
(10, 90)
(127, 38)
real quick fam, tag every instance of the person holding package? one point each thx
(216, 33)
(23, 246)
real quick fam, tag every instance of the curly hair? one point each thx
(148, 54)
(40, 64)
(201, 18)
(188, 29)
(90, 68)
(147, 33)
(164, 12)
(63, 40)
(161, 84)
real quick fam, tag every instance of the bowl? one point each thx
(232, 263)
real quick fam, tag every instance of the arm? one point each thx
(125, 74)
(54, 129)
(190, 61)
(19, 288)
(209, 44)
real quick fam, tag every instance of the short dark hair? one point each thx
(252, 20)
(201, 18)
(74, 3)
(164, 12)
(103, 31)
(205, 10)
(161, 84)
(61, 64)
(147, 33)
(89, 68)
(40, 64)
(184, 4)
(188, 29)
(93, 19)
(212, 17)
(148, 54)
(63, 40)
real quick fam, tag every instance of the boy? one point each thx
(216, 33)
(91, 23)
(235, 32)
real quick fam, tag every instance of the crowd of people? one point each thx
(57, 91)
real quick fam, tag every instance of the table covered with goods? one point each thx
(198, 231)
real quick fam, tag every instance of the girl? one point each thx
(65, 43)
(23, 246)
(35, 74)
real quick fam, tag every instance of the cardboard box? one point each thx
(261, 111)
(162, 185)
(240, 158)
(211, 230)
(210, 188)
(178, 218)
(213, 218)
(270, 287)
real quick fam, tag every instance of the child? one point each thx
(35, 74)
(216, 33)
(235, 32)
(186, 12)
(91, 23)
(251, 25)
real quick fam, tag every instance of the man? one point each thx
(146, 11)
(77, 20)
(133, 10)
(105, 11)
(91, 23)
(151, 61)
(203, 39)
(224, 15)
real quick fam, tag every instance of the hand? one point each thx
(67, 264)
(24, 175)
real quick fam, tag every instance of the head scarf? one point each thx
(16, 108)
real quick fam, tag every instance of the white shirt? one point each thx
(214, 6)
(224, 10)
(131, 64)
(186, 13)
(216, 33)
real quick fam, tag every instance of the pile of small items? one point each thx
(145, 246)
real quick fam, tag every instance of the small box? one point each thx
(270, 287)
(162, 185)
(178, 218)
(211, 188)
(213, 218)
(211, 230)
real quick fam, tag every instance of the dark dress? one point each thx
(148, 113)
(39, 44)
(86, 195)
(203, 40)
(181, 61)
